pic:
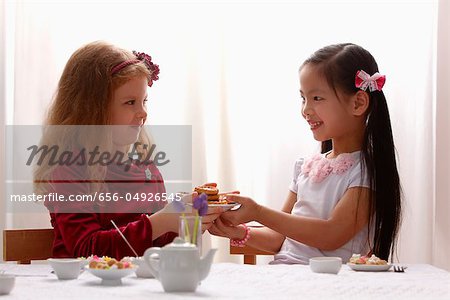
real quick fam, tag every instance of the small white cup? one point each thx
(6, 283)
(325, 264)
(143, 271)
(66, 268)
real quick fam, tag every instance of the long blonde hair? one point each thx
(83, 97)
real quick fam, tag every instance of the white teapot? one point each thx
(178, 266)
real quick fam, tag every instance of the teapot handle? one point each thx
(152, 263)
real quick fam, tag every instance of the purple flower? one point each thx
(178, 205)
(200, 203)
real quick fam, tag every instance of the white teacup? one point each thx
(6, 283)
(325, 264)
(143, 271)
(66, 268)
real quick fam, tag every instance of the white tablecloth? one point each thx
(233, 281)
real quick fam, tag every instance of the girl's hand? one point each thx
(219, 228)
(248, 211)
(207, 220)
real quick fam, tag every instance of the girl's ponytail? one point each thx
(378, 152)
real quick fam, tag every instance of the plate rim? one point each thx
(228, 205)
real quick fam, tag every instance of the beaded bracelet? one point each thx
(241, 243)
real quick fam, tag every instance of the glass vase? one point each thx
(190, 230)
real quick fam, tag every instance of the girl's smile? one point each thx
(314, 125)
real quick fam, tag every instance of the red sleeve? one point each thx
(81, 231)
(83, 235)
(164, 239)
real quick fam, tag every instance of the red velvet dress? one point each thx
(83, 228)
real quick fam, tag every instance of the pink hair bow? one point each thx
(374, 82)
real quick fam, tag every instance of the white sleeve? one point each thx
(293, 187)
(358, 179)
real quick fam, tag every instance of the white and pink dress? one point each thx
(320, 183)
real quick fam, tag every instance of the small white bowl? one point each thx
(6, 283)
(111, 277)
(142, 271)
(66, 268)
(325, 264)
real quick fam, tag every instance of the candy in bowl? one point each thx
(110, 270)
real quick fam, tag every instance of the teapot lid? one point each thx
(179, 244)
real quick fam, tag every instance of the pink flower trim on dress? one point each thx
(342, 163)
(318, 167)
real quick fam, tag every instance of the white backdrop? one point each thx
(230, 71)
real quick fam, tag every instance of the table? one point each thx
(231, 281)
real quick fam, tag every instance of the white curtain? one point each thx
(2, 116)
(230, 71)
(441, 163)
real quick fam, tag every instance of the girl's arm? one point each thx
(164, 221)
(262, 238)
(348, 218)
(83, 234)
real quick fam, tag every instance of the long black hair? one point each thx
(339, 64)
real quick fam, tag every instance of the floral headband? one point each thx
(140, 57)
(374, 82)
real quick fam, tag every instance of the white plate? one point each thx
(369, 268)
(111, 276)
(224, 206)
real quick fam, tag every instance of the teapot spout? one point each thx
(205, 263)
